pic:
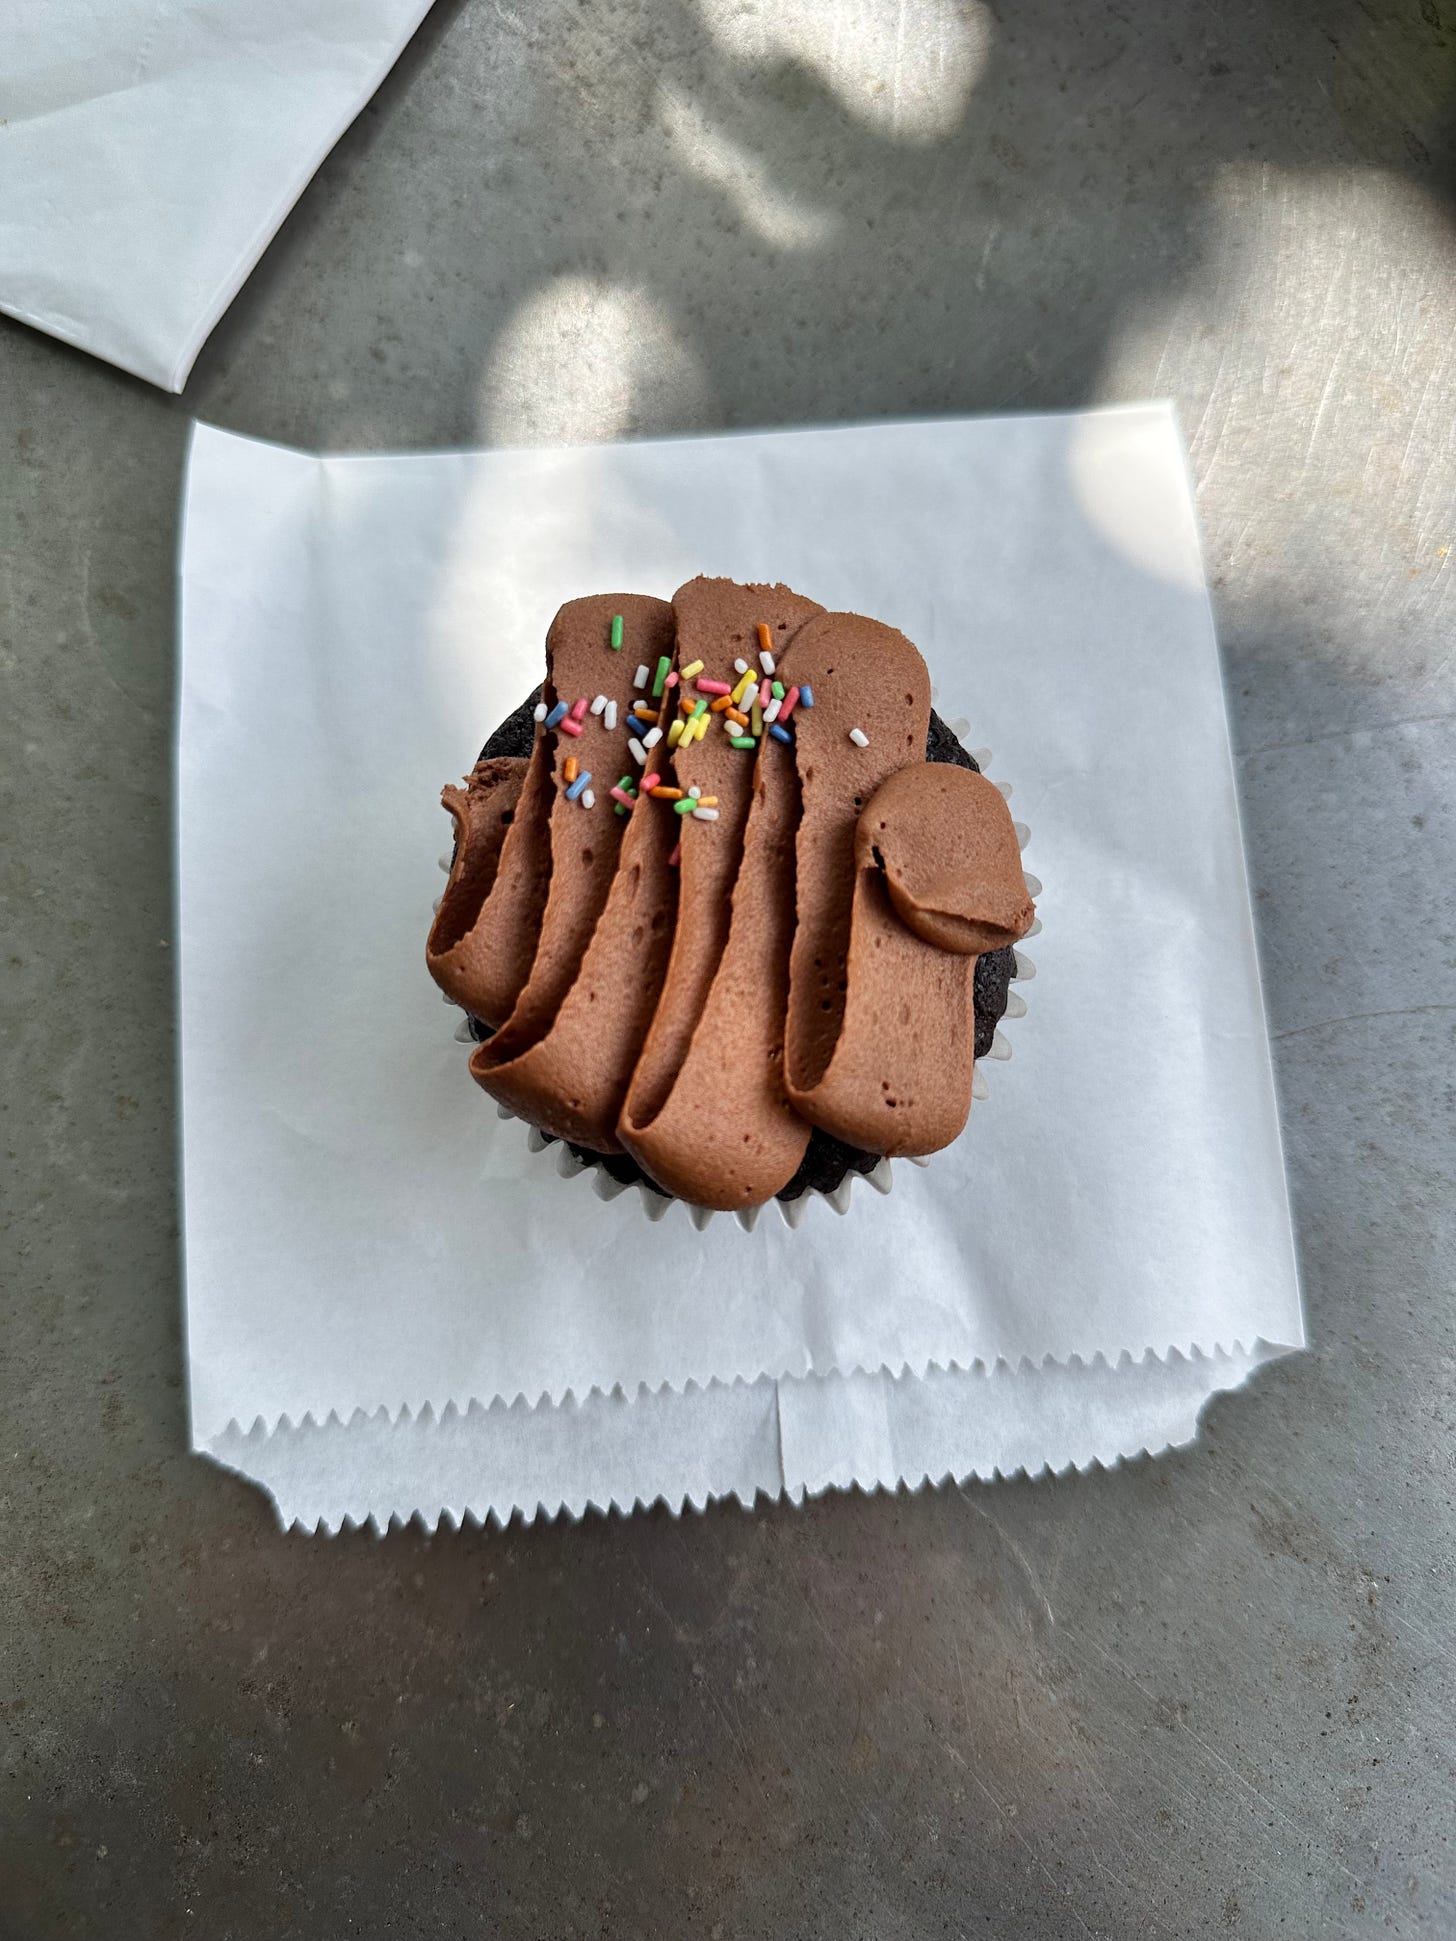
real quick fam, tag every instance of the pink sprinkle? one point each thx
(621, 795)
(650, 782)
(671, 681)
(579, 708)
(713, 687)
(791, 700)
(676, 857)
(765, 691)
(568, 726)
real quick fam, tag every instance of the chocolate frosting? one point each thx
(584, 848)
(718, 1033)
(945, 842)
(805, 979)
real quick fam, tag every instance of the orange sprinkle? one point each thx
(723, 701)
(666, 794)
(739, 720)
(644, 714)
(571, 768)
(688, 705)
(765, 636)
(707, 801)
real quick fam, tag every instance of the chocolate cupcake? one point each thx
(730, 909)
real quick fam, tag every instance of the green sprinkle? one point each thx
(617, 641)
(686, 806)
(626, 782)
(742, 741)
(701, 708)
(777, 690)
(618, 807)
(663, 668)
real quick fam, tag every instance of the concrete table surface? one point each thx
(1207, 1695)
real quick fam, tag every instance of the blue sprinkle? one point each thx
(582, 781)
(806, 697)
(638, 727)
(558, 713)
(782, 734)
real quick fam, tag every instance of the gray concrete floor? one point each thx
(1208, 1695)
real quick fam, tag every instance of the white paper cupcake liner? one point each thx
(880, 1179)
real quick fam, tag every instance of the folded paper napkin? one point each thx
(149, 150)
(395, 1306)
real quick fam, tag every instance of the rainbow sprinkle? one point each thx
(539, 711)
(616, 632)
(674, 733)
(806, 696)
(778, 690)
(703, 815)
(685, 807)
(558, 713)
(662, 793)
(740, 666)
(609, 718)
(781, 734)
(742, 741)
(714, 687)
(791, 700)
(570, 726)
(765, 637)
(570, 770)
(599, 704)
(639, 679)
(664, 667)
(580, 786)
(749, 680)
(579, 708)
(588, 800)
(859, 737)
(693, 667)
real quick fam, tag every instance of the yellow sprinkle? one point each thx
(674, 733)
(707, 801)
(693, 667)
(757, 719)
(700, 727)
(750, 679)
(571, 768)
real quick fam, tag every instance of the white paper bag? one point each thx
(377, 1263)
(149, 150)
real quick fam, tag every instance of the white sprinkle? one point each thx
(858, 737)
(705, 815)
(695, 791)
(652, 737)
(599, 704)
(588, 799)
(639, 679)
(609, 719)
(540, 711)
(638, 752)
(771, 712)
(740, 666)
(766, 661)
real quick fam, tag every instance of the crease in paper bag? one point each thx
(730, 1441)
